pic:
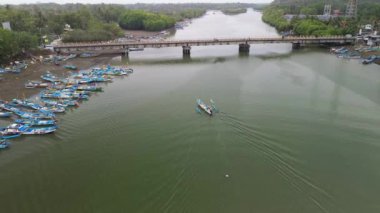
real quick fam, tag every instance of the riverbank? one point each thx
(13, 85)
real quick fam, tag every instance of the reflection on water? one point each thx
(297, 132)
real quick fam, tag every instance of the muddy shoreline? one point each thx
(13, 85)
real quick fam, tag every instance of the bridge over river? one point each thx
(244, 44)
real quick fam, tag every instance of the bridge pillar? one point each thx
(125, 52)
(244, 48)
(186, 50)
(296, 46)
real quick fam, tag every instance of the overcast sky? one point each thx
(128, 1)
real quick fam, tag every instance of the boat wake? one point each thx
(282, 159)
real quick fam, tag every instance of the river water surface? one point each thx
(297, 131)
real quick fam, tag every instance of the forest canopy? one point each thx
(142, 20)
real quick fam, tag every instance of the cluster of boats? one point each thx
(38, 118)
(17, 67)
(347, 53)
(58, 58)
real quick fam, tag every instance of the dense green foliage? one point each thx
(104, 32)
(368, 12)
(315, 27)
(100, 22)
(274, 17)
(233, 11)
(141, 20)
(13, 43)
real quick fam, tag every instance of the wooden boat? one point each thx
(42, 109)
(70, 67)
(6, 133)
(71, 56)
(39, 131)
(5, 114)
(36, 84)
(36, 122)
(50, 77)
(26, 129)
(89, 88)
(62, 103)
(370, 59)
(136, 49)
(204, 107)
(87, 55)
(4, 143)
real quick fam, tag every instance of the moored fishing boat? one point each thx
(70, 67)
(88, 54)
(38, 116)
(62, 103)
(71, 56)
(39, 131)
(42, 109)
(5, 114)
(89, 88)
(30, 115)
(7, 133)
(36, 84)
(370, 59)
(36, 122)
(50, 77)
(4, 143)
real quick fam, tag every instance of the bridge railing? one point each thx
(193, 41)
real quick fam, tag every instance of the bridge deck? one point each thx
(204, 42)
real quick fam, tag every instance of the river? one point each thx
(297, 131)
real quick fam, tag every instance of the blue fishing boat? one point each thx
(42, 109)
(370, 59)
(4, 143)
(55, 95)
(71, 56)
(89, 88)
(70, 67)
(87, 55)
(30, 115)
(36, 122)
(39, 130)
(5, 114)
(50, 77)
(62, 103)
(8, 133)
(36, 84)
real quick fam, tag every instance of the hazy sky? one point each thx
(128, 1)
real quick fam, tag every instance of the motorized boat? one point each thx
(206, 108)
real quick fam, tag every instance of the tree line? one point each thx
(142, 20)
(31, 25)
(368, 13)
